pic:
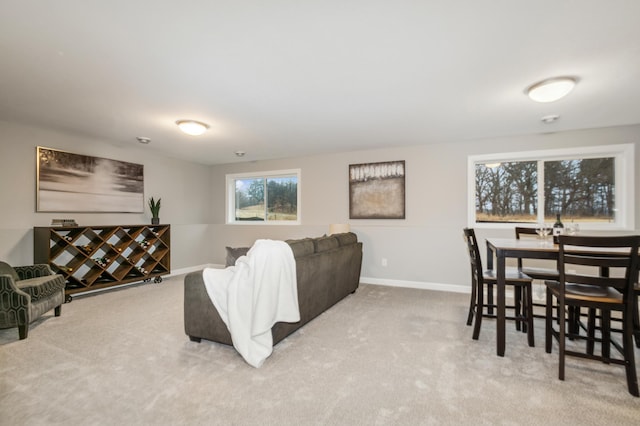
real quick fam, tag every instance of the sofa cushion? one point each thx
(6, 269)
(303, 247)
(233, 253)
(42, 287)
(325, 243)
(346, 238)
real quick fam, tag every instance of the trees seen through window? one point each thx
(580, 188)
(268, 197)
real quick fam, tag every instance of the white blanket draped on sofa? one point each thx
(253, 295)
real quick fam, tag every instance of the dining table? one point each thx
(525, 248)
(503, 248)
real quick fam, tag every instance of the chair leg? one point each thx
(490, 298)
(58, 310)
(517, 295)
(529, 312)
(636, 320)
(629, 358)
(561, 341)
(472, 303)
(605, 325)
(573, 316)
(479, 311)
(522, 305)
(548, 310)
(591, 331)
(23, 331)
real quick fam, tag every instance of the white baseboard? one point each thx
(431, 286)
(416, 284)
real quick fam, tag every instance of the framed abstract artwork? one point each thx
(68, 182)
(377, 190)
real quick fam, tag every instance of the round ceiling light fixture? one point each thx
(192, 127)
(143, 140)
(551, 89)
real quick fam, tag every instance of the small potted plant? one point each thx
(154, 206)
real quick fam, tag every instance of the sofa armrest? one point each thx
(201, 318)
(33, 271)
(10, 292)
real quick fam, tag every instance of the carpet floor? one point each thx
(382, 356)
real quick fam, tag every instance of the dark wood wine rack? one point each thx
(97, 257)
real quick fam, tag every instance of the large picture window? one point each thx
(266, 197)
(590, 186)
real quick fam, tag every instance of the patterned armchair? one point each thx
(26, 293)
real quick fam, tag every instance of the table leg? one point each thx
(500, 320)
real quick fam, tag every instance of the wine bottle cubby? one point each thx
(96, 257)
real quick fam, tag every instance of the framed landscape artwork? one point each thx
(69, 182)
(376, 190)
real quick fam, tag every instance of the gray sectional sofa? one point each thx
(327, 269)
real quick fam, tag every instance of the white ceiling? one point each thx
(287, 78)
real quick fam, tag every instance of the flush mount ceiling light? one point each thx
(192, 127)
(551, 89)
(143, 140)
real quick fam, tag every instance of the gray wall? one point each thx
(424, 250)
(182, 186)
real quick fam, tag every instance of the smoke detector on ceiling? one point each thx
(548, 119)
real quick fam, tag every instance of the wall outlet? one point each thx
(384, 261)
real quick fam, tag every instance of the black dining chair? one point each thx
(480, 278)
(549, 273)
(598, 273)
(536, 272)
